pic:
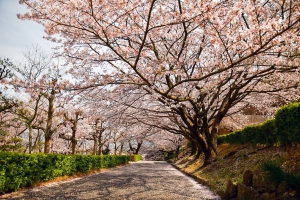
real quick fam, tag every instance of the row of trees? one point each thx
(202, 60)
(46, 117)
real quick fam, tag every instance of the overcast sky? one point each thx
(16, 35)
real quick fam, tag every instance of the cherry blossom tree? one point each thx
(6, 72)
(5, 68)
(201, 59)
(29, 116)
(39, 78)
(72, 116)
(10, 130)
(96, 124)
(98, 135)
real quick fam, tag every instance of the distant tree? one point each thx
(5, 68)
(29, 116)
(6, 72)
(71, 119)
(40, 78)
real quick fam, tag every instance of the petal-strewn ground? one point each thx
(141, 180)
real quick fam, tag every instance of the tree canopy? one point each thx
(203, 60)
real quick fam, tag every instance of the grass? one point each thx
(233, 160)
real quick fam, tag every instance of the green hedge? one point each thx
(255, 134)
(278, 175)
(20, 170)
(284, 129)
(287, 124)
(135, 157)
(169, 154)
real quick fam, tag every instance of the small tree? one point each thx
(40, 79)
(72, 120)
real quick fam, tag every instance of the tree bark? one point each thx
(74, 129)
(30, 140)
(74, 144)
(121, 148)
(37, 142)
(100, 148)
(95, 144)
(48, 130)
(48, 144)
(138, 147)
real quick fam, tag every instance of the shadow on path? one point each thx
(141, 180)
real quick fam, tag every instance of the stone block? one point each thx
(282, 188)
(247, 177)
(246, 193)
(231, 189)
(268, 196)
(262, 180)
(223, 195)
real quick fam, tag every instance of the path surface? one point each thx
(141, 180)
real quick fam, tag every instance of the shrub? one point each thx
(235, 137)
(169, 154)
(19, 170)
(274, 170)
(287, 124)
(254, 134)
(268, 130)
(135, 157)
(277, 175)
(284, 129)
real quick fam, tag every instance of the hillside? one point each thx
(231, 164)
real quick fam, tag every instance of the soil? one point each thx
(233, 160)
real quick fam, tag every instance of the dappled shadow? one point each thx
(142, 180)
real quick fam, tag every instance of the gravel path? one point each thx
(141, 180)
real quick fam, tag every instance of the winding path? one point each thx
(141, 180)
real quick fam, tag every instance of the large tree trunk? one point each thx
(37, 142)
(213, 141)
(100, 147)
(95, 137)
(116, 148)
(48, 144)
(193, 148)
(40, 142)
(200, 145)
(29, 139)
(202, 149)
(95, 144)
(48, 130)
(138, 147)
(74, 143)
(74, 129)
(121, 148)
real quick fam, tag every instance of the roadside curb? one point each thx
(197, 179)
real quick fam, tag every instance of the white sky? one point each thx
(16, 35)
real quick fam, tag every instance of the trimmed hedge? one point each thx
(135, 157)
(19, 170)
(288, 124)
(255, 134)
(284, 129)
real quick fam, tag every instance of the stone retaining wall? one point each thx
(257, 186)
